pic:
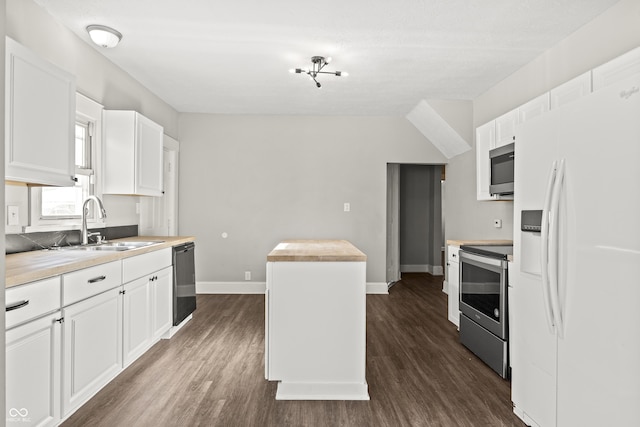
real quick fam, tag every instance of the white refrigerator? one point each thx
(575, 283)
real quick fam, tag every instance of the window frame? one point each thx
(87, 111)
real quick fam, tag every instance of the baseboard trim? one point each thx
(380, 288)
(231, 287)
(260, 287)
(435, 270)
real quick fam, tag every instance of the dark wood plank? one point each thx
(212, 372)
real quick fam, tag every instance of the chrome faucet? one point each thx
(102, 213)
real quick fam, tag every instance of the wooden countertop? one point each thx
(316, 251)
(28, 267)
(479, 242)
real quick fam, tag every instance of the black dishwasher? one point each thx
(184, 282)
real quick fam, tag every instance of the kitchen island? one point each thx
(315, 320)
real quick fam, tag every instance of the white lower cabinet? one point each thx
(136, 320)
(453, 285)
(92, 352)
(147, 314)
(70, 335)
(33, 372)
(162, 303)
(148, 302)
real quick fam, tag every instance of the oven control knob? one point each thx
(496, 312)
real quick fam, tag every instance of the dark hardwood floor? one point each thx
(211, 373)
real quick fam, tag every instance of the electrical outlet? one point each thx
(347, 207)
(13, 215)
(497, 223)
(247, 275)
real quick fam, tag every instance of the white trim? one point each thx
(231, 287)
(322, 391)
(435, 270)
(260, 288)
(378, 288)
(445, 287)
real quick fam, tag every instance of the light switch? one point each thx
(13, 215)
(347, 207)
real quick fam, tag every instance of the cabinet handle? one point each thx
(17, 305)
(60, 320)
(122, 292)
(97, 279)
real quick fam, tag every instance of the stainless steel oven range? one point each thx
(483, 304)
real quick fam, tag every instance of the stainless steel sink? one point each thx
(99, 248)
(111, 246)
(129, 245)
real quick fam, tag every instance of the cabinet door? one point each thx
(148, 157)
(40, 118)
(534, 108)
(570, 91)
(454, 293)
(162, 299)
(485, 141)
(506, 128)
(617, 69)
(33, 372)
(453, 282)
(136, 319)
(92, 353)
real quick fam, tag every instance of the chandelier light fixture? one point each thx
(104, 36)
(317, 64)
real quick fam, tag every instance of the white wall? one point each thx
(609, 35)
(96, 77)
(262, 179)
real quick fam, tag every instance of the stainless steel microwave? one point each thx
(502, 162)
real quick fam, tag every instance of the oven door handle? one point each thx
(554, 233)
(481, 261)
(544, 249)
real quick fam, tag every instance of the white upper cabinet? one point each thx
(132, 154)
(40, 104)
(506, 128)
(485, 141)
(570, 91)
(617, 69)
(534, 108)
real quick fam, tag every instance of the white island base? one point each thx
(315, 323)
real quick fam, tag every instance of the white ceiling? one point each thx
(233, 56)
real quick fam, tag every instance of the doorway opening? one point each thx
(415, 224)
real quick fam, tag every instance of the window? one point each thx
(56, 208)
(66, 202)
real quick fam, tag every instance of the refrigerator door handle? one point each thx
(544, 248)
(554, 233)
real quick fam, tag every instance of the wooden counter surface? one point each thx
(28, 267)
(316, 251)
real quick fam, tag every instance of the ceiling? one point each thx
(233, 56)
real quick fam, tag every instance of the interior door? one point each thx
(159, 215)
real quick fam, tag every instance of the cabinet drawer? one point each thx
(453, 254)
(142, 265)
(31, 300)
(91, 281)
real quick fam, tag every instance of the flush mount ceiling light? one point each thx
(104, 36)
(318, 63)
